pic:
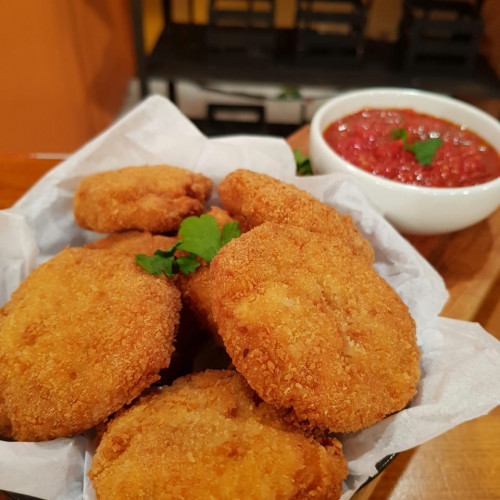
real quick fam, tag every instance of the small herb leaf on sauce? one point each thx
(424, 151)
(399, 133)
(303, 163)
(200, 237)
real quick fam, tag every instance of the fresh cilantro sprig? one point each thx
(424, 151)
(303, 163)
(165, 262)
(200, 237)
(229, 231)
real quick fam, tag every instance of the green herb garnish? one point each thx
(303, 163)
(230, 231)
(163, 261)
(424, 151)
(200, 237)
(290, 93)
(399, 133)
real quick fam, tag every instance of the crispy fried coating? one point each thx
(206, 436)
(149, 198)
(195, 291)
(83, 335)
(134, 242)
(253, 199)
(312, 327)
(221, 216)
(189, 337)
(195, 287)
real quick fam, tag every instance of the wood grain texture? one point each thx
(460, 464)
(489, 312)
(469, 261)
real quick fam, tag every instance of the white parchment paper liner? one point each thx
(460, 361)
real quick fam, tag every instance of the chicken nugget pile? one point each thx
(266, 344)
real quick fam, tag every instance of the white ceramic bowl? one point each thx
(411, 209)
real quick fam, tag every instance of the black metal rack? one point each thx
(333, 28)
(244, 31)
(441, 33)
(327, 46)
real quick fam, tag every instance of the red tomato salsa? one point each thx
(366, 140)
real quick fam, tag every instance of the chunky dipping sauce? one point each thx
(366, 140)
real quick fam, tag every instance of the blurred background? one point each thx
(69, 69)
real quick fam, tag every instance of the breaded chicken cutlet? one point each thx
(149, 198)
(134, 242)
(82, 336)
(313, 327)
(253, 199)
(188, 336)
(209, 436)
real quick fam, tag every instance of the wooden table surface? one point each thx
(464, 463)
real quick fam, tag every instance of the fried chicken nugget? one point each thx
(207, 437)
(134, 242)
(83, 335)
(195, 287)
(312, 327)
(253, 199)
(188, 338)
(148, 198)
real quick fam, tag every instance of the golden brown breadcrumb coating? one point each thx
(134, 242)
(312, 327)
(207, 436)
(253, 199)
(195, 287)
(148, 198)
(188, 335)
(220, 215)
(83, 335)
(195, 292)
